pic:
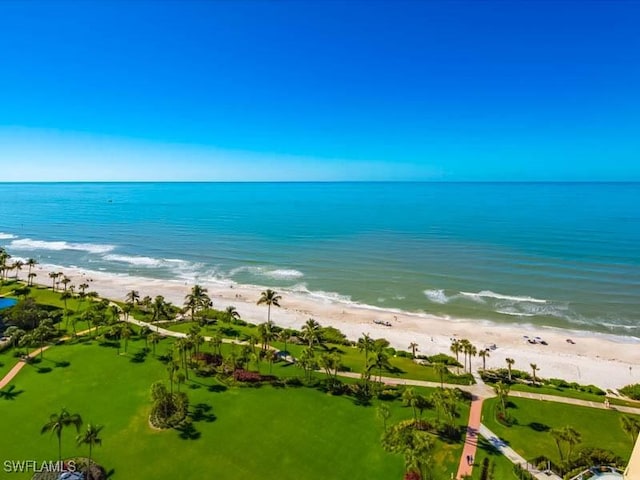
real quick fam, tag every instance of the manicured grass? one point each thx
(502, 466)
(531, 438)
(287, 433)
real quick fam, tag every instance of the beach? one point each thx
(607, 361)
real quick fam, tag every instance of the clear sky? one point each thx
(324, 90)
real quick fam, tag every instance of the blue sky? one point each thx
(327, 90)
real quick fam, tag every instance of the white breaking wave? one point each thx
(515, 314)
(278, 273)
(436, 296)
(284, 273)
(29, 244)
(320, 295)
(6, 236)
(134, 260)
(499, 296)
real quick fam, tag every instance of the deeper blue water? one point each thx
(563, 255)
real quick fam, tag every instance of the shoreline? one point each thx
(606, 360)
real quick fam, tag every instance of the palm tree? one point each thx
(383, 413)
(266, 334)
(534, 369)
(311, 332)
(472, 351)
(558, 436)
(42, 332)
(269, 297)
(197, 300)
(380, 361)
(631, 426)
(484, 353)
(58, 422)
(125, 333)
(365, 344)
(31, 263)
(572, 437)
(216, 342)
(64, 296)
(413, 346)
(456, 348)
(441, 370)
(53, 276)
(510, 362)
(284, 337)
(132, 296)
(410, 399)
(231, 313)
(154, 339)
(17, 266)
(502, 391)
(90, 437)
(30, 278)
(65, 281)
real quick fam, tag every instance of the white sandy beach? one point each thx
(604, 360)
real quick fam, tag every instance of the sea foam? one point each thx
(499, 296)
(436, 296)
(29, 244)
(6, 236)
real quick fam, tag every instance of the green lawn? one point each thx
(288, 433)
(571, 393)
(530, 436)
(503, 468)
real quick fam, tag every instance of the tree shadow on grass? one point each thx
(217, 388)
(62, 364)
(10, 393)
(111, 473)
(202, 413)
(539, 427)
(139, 357)
(44, 369)
(188, 432)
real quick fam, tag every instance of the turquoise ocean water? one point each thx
(563, 255)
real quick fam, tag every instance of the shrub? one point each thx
(443, 358)
(240, 375)
(631, 391)
(403, 354)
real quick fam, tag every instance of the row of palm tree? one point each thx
(6, 267)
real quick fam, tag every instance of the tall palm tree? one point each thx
(58, 422)
(269, 297)
(472, 351)
(410, 399)
(311, 332)
(17, 266)
(510, 362)
(266, 333)
(558, 437)
(284, 337)
(441, 370)
(65, 282)
(154, 339)
(31, 263)
(90, 437)
(534, 369)
(413, 346)
(383, 413)
(53, 276)
(502, 391)
(365, 344)
(197, 300)
(631, 426)
(125, 333)
(64, 296)
(132, 296)
(380, 361)
(572, 437)
(231, 313)
(484, 353)
(30, 278)
(456, 349)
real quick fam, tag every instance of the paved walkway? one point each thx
(514, 457)
(468, 456)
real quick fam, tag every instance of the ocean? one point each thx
(563, 255)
